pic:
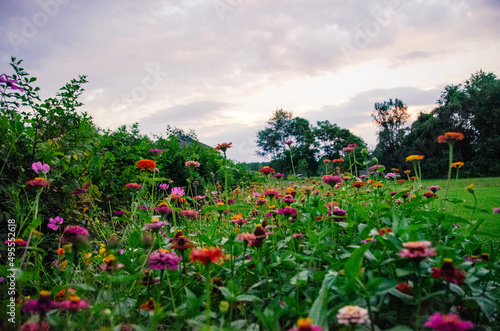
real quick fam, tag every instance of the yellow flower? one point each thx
(470, 188)
(220, 203)
(413, 158)
(102, 249)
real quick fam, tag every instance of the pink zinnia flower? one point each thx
(295, 235)
(288, 211)
(41, 305)
(38, 166)
(163, 210)
(192, 164)
(449, 322)
(161, 259)
(75, 235)
(134, 185)
(156, 151)
(74, 303)
(17, 242)
(38, 181)
(332, 180)
(417, 250)
(154, 225)
(192, 214)
(246, 236)
(163, 187)
(34, 326)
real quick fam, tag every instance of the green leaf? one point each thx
(352, 267)
(84, 287)
(319, 309)
(247, 297)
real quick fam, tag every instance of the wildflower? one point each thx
(496, 210)
(62, 293)
(155, 224)
(192, 214)
(119, 212)
(110, 264)
(287, 211)
(10, 83)
(53, 223)
(434, 189)
(429, 195)
(75, 235)
(143, 207)
(223, 147)
(182, 243)
(161, 259)
(288, 199)
(457, 165)
(60, 251)
(205, 256)
(163, 209)
(35, 326)
(148, 279)
(394, 169)
(401, 181)
(146, 164)
(16, 242)
(384, 231)
(470, 188)
(348, 149)
(239, 220)
(338, 212)
(81, 190)
(332, 180)
(176, 193)
(337, 160)
(163, 187)
(375, 167)
(230, 201)
(450, 137)
(352, 315)
(298, 235)
(407, 171)
(448, 322)
(133, 185)
(405, 288)
(358, 184)
(289, 142)
(247, 237)
(41, 305)
(391, 175)
(192, 164)
(156, 151)
(368, 240)
(417, 250)
(39, 167)
(414, 158)
(279, 176)
(270, 193)
(326, 161)
(74, 303)
(148, 305)
(266, 170)
(449, 272)
(38, 181)
(305, 324)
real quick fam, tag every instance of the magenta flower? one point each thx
(449, 322)
(38, 166)
(163, 210)
(54, 223)
(177, 191)
(161, 259)
(41, 305)
(434, 189)
(154, 225)
(74, 303)
(279, 176)
(417, 250)
(163, 187)
(496, 210)
(34, 326)
(289, 142)
(75, 235)
(348, 149)
(16, 242)
(239, 221)
(391, 175)
(134, 185)
(11, 83)
(82, 190)
(119, 212)
(332, 180)
(192, 214)
(297, 235)
(156, 151)
(288, 211)
(338, 212)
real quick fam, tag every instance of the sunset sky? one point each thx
(221, 67)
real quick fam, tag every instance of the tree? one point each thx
(332, 140)
(271, 140)
(392, 117)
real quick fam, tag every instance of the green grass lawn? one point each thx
(487, 191)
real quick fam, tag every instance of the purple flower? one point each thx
(40, 306)
(74, 303)
(75, 235)
(163, 187)
(38, 166)
(161, 259)
(177, 191)
(391, 175)
(449, 322)
(82, 190)
(53, 223)
(119, 212)
(156, 151)
(287, 211)
(143, 207)
(279, 176)
(134, 185)
(289, 142)
(496, 210)
(11, 83)
(163, 209)
(332, 180)
(156, 225)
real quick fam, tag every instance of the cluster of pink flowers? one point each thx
(192, 164)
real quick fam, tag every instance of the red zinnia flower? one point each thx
(146, 164)
(205, 256)
(449, 272)
(223, 147)
(266, 170)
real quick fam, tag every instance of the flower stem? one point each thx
(449, 175)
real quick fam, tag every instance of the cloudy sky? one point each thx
(221, 67)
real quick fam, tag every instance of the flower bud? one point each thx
(223, 307)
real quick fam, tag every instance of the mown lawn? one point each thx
(487, 192)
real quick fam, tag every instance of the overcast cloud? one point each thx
(221, 67)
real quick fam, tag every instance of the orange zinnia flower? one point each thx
(223, 147)
(450, 137)
(457, 165)
(146, 164)
(205, 256)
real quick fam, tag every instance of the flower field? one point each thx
(363, 247)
